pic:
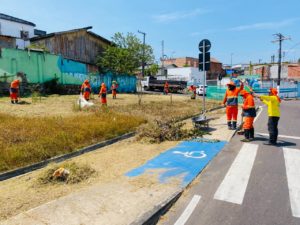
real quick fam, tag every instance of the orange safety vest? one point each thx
(15, 84)
(86, 87)
(249, 106)
(231, 97)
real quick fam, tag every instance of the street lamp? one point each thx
(143, 59)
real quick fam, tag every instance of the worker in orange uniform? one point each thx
(14, 91)
(102, 94)
(114, 87)
(193, 89)
(249, 113)
(166, 88)
(231, 102)
(86, 90)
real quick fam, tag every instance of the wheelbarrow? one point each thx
(201, 122)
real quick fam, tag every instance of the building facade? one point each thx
(80, 44)
(17, 30)
(216, 67)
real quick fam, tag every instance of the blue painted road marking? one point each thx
(185, 161)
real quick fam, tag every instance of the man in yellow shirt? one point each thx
(273, 103)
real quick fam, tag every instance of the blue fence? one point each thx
(126, 83)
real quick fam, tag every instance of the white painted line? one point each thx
(292, 166)
(281, 136)
(233, 187)
(188, 210)
(258, 114)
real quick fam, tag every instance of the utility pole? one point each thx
(162, 57)
(231, 59)
(143, 60)
(279, 38)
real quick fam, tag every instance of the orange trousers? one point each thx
(13, 96)
(103, 100)
(86, 95)
(248, 123)
(232, 113)
(114, 93)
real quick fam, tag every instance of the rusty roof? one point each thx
(71, 31)
(14, 19)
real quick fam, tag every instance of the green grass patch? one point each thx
(24, 140)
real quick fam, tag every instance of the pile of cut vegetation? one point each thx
(160, 131)
(68, 173)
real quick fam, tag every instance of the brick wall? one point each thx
(294, 71)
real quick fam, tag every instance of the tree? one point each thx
(125, 55)
(152, 70)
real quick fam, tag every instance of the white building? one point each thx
(274, 71)
(190, 74)
(19, 29)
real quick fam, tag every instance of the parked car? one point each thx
(200, 90)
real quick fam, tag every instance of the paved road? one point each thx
(248, 184)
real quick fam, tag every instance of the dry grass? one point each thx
(78, 173)
(28, 140)
(54, 126)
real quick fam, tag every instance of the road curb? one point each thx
(151, 217)
(39, 165)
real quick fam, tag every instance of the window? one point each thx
(24, 35)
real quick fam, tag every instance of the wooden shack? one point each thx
(79, 44)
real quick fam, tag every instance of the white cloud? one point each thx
(173, 16)
(265, 25)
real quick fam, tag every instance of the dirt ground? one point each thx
(112, 162)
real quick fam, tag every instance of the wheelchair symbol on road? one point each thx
(193, 154)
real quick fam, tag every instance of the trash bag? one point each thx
(83, 103)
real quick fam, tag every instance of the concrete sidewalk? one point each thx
(124, 201)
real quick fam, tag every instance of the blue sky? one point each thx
(241, 28)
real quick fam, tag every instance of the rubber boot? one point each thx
(234, 125)
(251, 134)
(12, 102)
(16, 101)
(229, 125)
(247, 136)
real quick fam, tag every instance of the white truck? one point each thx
(152, 84)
